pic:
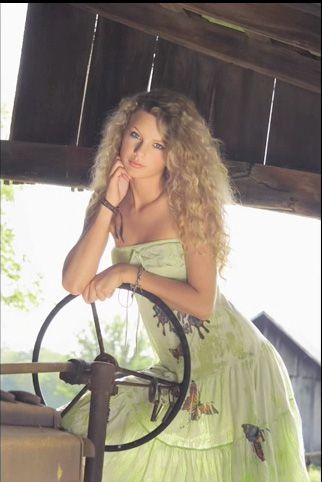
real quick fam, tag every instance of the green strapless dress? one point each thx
(239, 422)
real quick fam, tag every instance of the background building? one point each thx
(305, 374)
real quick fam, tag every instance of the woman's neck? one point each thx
(143, 192)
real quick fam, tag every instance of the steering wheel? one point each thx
(178, 390)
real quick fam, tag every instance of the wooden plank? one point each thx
(188, 72)
(46, 163)
(311, 8)
(290, 355)
(277, 21)
(241, 112)
(295, 134)
(52, 73)
(260, 186)
(220, 42)
(234, 101)
(278, 189)
(303, 389)
(315, 439)
(121, 66)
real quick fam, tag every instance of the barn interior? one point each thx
(253, 71)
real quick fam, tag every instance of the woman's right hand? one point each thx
(118, 183)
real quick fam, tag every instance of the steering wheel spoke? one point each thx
(74, 401)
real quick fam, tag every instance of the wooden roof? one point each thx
(79, 60)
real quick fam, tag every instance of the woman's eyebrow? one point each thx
(155, 140)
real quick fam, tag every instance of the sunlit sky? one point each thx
(275, 261)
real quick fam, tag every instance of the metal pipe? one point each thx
(39, 367)
(122, 372)
(101, 385)
(145, 385)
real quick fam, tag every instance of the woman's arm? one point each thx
(82, 261)
(196, 296)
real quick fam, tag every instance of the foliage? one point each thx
(56, 392)
(113, 335)
(13, 292)
(314, 473)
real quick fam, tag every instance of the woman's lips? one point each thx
(135, 164)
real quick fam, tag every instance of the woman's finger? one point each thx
(91, 293)
(120, 171)
(118, 163)
(100, 295)
(85, 294)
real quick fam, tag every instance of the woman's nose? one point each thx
(139, 148)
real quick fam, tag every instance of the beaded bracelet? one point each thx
(118, 215)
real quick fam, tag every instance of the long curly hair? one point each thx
(196, 179)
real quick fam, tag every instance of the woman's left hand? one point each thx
(104, 284)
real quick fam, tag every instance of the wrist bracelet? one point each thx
(137, 285)
(118, 216)
(110, 206)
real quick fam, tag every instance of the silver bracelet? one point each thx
(137, 285)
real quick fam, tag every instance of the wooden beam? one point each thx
(194, 32)
(266, 187)
(46, 163)
(277, 189)
(277, 21)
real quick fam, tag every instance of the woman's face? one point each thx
(143, 151)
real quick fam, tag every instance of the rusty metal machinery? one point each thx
(154, 385)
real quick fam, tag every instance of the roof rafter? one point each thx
(192, 31)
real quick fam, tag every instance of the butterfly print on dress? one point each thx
(162, 318)
(189, 321)
(176, 352)
(256, 436)
(193, 405)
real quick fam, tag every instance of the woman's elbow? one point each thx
(72, 287)
(205, 314)
(202, 313)
(206, 309)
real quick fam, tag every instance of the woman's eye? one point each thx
(134, 134)
(158, 146)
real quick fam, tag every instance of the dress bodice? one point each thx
(164, 257)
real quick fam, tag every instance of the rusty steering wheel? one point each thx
(178, 390)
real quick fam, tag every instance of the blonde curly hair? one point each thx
(196, 179)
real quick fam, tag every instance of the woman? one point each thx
(160, 187)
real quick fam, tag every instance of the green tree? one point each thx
(13, 292)
(138, 358)
(56, 393)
